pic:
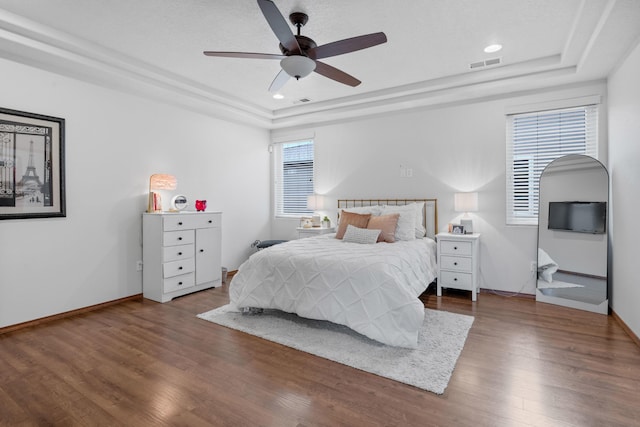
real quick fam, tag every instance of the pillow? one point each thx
(350, 218)
(406, 228)
(420, 230)
(361, 235)
(386, 224)
(373, 210)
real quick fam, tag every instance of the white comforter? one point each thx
(372, 289)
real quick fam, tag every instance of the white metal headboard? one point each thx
(430, 213)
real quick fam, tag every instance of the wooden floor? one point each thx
(141, 363)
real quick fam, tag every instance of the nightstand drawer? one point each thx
(179, 282)
(174, 268)
(455, 263)
(456, 280)
(455, 248)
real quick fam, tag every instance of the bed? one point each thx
(370, 288)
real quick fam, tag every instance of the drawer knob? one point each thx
(455, 279)
(455, 248)
(210, 221)
(179, 283)
(455, 263)
(179, 253)
(201, 250)
(179, 238)
(180, 268)
(180, 223)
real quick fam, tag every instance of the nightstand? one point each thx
(458, 262)
(314, 231)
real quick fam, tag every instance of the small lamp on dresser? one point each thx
(466, 202)
(159, 181)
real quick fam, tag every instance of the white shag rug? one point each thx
(428, 367)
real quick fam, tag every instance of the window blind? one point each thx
(293, 177)
(536, 139)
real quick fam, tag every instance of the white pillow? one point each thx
(360, 235)
(373, 210)
(406, 229)
(420, 230)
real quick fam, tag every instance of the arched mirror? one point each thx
(573, 234)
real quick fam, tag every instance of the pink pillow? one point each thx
(357, 220)
(387, 224)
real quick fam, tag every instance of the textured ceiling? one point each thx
(430, 46)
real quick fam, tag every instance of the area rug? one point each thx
(428, 367)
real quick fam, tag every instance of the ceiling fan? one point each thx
(300, 54)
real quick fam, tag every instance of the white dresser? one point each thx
(181, 253)
(458, 262)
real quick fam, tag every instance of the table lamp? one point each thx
(315, 202)
(466, 202)
(159, 181)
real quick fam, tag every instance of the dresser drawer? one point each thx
(174, 268)
(205, 220)
(455, 263)
(455, 248)
(456, 280)
(179, 282)
(174, 253)
(172, 238)
(178, 222)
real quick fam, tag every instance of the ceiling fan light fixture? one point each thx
(298, 66)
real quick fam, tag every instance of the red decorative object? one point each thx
(201, 205)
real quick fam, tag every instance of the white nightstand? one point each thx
(458, 262)
(314, 231)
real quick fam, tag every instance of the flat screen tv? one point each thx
(579, 217)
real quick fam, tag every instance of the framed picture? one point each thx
(457, 229)
(31, 165)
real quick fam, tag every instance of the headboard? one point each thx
(430, 213)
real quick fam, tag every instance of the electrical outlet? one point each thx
(532, 268)
(139, 266)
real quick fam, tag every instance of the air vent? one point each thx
(301, 101)
(485, 63)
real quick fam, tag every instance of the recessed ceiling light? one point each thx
(278, 96)
(492, 48)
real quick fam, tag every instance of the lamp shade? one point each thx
(298, 66)
(315, 202)
(162, 181)
(465, 202)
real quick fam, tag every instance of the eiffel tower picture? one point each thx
(30, 181)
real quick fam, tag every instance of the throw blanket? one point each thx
(371, 288)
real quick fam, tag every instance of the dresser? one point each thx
(314, 231)
(458, 262)
(181, 253)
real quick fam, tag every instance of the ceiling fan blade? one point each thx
(281, 78)
(347, 45)
(244, 55)
(335, 74)
(279, 25)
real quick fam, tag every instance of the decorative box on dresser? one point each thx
(458, 262)
(181, 253)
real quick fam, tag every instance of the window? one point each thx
(293, 177)
(536, 139)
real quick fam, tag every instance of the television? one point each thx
(579, 217)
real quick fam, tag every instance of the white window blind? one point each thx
(533, 141)
(293, 177)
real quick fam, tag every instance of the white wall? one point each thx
(624, 155)
(114, 142)
(450, 148)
